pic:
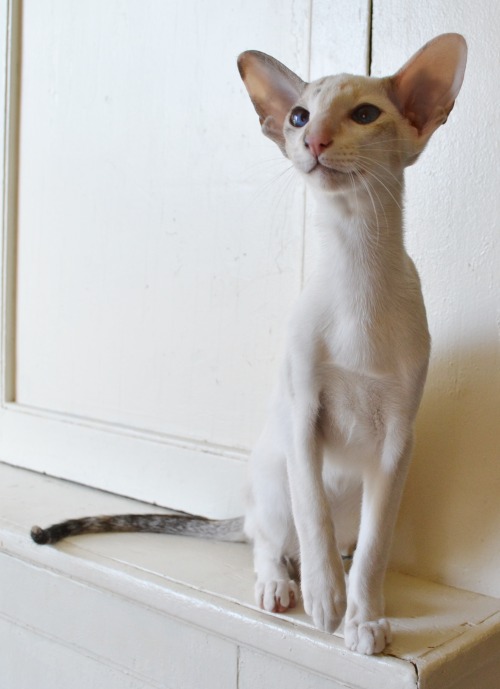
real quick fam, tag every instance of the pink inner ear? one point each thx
(275, 97)
(273, 89)
(426, 87)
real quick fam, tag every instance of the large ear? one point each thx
(426, 87)
(273, 89)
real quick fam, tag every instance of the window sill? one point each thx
(142, 610)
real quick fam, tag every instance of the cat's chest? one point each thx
(359, 340)
(355, 321)
(354, 408)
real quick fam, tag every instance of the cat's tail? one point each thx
(182, 525)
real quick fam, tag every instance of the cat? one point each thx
(327, 474)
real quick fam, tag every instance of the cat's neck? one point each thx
(361, 262)
(362, 229)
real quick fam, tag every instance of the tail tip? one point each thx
(39, 535)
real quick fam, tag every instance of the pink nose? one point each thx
(317, 143)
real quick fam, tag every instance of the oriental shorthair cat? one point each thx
(326, 475)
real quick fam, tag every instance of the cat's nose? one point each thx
(317, 143)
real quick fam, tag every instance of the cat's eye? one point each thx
(299, 117)
(366, 114)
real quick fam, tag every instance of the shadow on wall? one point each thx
(449, 525)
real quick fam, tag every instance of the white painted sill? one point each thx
(141, 610)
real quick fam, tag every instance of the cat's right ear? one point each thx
(273, 89)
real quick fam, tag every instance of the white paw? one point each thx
(325, 601)
(277, 595)
(367, 637)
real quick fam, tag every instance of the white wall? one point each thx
(450, 522)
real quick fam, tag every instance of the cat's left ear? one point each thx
(426, 87)
(273, 89)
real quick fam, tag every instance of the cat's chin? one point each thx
(329, 179)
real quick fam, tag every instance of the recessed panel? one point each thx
(159, 234)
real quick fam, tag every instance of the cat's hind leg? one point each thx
(276, 590)
(269, 524)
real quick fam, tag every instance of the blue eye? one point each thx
(366, 114)
(299, 117)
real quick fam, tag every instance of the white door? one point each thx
(154, 241)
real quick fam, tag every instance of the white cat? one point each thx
(327, 474)
(329, 468)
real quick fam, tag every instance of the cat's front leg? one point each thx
(366, 629)
(323, 587)
(322, 572)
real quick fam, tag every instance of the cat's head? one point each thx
(339, 129)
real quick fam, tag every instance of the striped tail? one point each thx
(182, 525)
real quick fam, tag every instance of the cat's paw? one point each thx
(277, 595)
(326, 608)
(325, 601)
(367, 637)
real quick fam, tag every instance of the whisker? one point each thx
(352, 175)
(380, 181)
(288, 177)
(379, 142)
(270, 183)
(387, 168)
(367, 188)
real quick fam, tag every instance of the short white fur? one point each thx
(327, 473)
